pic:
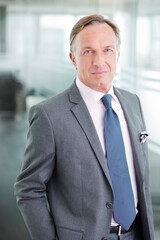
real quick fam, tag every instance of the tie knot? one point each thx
(106, 99)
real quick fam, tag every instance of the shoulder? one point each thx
(129, 101)
(49, 108)
(54, 101)
(124, 95)
(60, 103)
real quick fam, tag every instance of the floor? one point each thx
(12, 144)
(13, 131)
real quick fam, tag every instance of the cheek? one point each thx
(113, 64)
(89, 65)
(83, 65)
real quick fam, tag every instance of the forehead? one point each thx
(96, 34)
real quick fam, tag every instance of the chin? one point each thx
(99, 88)
(104, 87)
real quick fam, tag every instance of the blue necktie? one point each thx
(124, 208)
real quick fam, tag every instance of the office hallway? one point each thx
(13, 132)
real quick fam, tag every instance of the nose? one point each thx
(98, 60)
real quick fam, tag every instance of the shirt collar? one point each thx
(91, 96)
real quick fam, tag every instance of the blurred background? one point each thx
(35, 65)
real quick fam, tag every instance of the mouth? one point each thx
(99, 73)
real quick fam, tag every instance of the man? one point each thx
(68, 161)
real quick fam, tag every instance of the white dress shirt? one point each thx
(97, 109)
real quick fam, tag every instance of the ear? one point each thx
(118, 55)
(73, 59)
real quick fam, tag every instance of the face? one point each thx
(95, 56)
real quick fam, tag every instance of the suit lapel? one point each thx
(134, 131)
(82, 115)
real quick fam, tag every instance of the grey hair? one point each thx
(93, 20)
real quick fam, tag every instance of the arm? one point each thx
(38, 166)
(146, 184)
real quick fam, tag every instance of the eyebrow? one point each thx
(86, 48)
(110, 46)
(107, 46)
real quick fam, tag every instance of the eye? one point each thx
(87, 52)
(108, 50)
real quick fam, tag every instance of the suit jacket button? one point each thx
(109, 205)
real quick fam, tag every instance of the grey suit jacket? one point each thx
(65, 164)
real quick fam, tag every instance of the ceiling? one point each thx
(81, 6)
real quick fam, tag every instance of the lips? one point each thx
(99, 73)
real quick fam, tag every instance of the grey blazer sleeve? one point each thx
(146, 185)
(38, 166)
